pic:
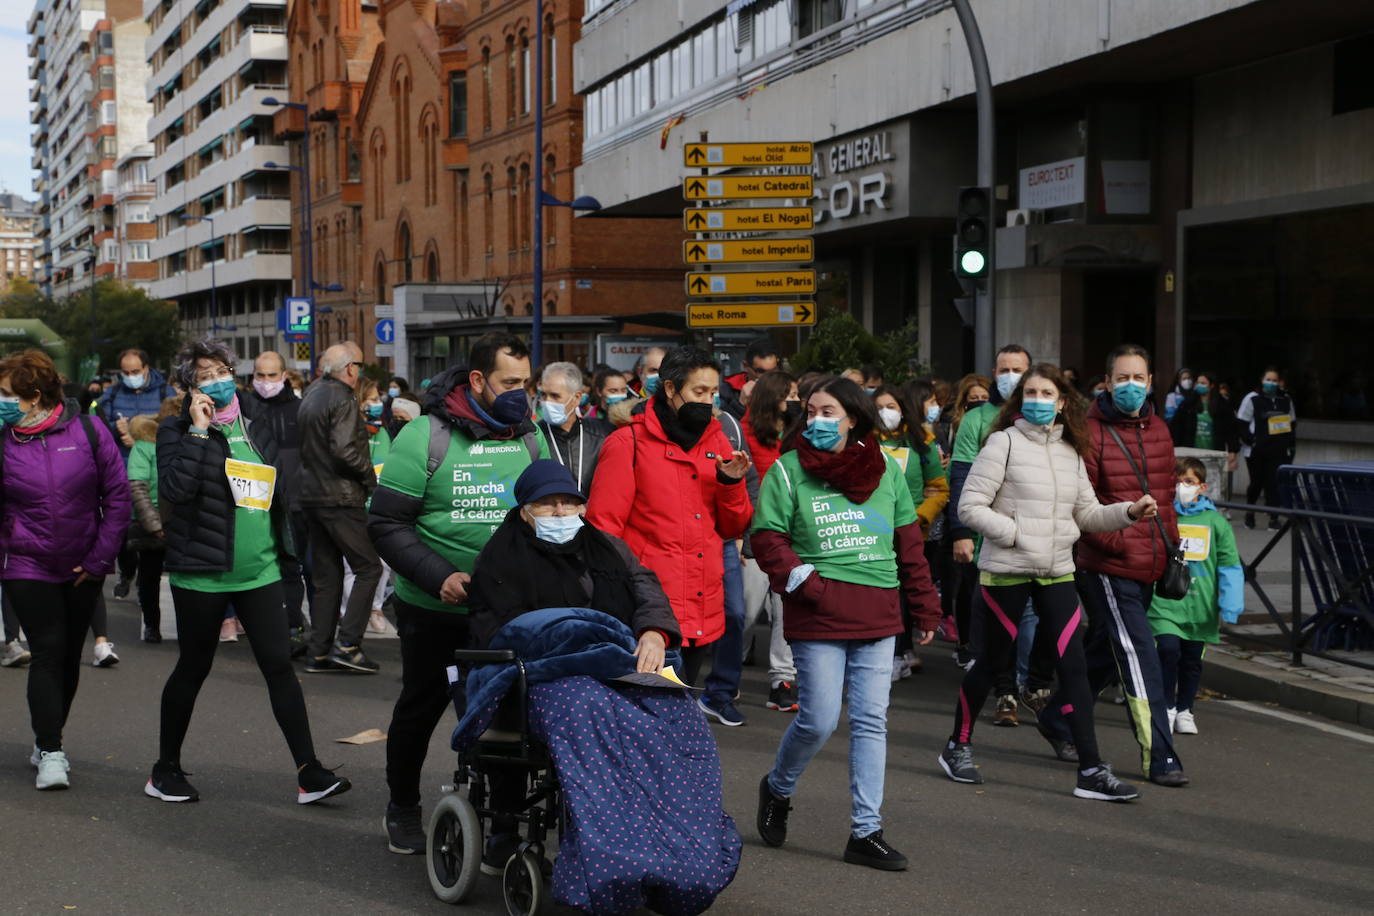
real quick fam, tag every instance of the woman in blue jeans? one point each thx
(836, 532)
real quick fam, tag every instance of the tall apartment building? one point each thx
(18, 227)
(88, 105)
(223, 217)
(135, 227)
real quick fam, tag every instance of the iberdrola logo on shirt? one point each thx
(488, 448)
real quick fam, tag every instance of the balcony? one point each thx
(328, 100)
(351, 193)
(288, 123)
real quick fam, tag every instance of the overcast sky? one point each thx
(15, 152)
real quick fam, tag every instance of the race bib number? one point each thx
(900, 455)
(1280, 424)
(253, 484)
(377, 469)
(1195, 542)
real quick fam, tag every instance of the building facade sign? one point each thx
(1053, 184)
(862, 178)
(1126, 186)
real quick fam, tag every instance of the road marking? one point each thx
(1310, 723)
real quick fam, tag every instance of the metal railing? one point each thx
(1295, 632)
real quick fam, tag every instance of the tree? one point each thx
(840, 342)
(125, 316)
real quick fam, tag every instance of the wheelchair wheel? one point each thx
(453, 848)
(523, 886)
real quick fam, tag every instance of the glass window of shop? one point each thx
(1292, 291)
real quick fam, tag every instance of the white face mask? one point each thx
(555, 412)
(1186, 384)
(557, 529)
(889, 418)
(1187, 493)
(1007, 382)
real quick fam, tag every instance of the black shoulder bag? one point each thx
(1177, 579)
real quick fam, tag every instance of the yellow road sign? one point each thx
(713, 155)
(302, 351)
(751, 283)
(747, 219)
(743, 187)
(752, 250)
(750, 314)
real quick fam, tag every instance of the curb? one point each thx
(1247, 680)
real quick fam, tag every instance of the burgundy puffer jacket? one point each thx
(1136, 552)
(63, 506)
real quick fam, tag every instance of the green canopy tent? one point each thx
(19, 333)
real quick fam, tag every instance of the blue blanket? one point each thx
(639, 768)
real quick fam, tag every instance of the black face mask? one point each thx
(694, 417)
(791, 411)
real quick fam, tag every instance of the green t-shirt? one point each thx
(918, 469)
(1204, 437)
(463, 503)
(255, 543)
(973, 432)
(143, 465)
(379, 445)
(845, 541)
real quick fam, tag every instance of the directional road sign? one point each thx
(740, 252)
(747, 219)
(750, 314)
(712, 155)
(742, 187)
(386, 331)
(751, 283)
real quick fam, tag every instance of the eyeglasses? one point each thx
(221, 375)
(358, 364)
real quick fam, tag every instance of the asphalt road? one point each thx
(1280, 815)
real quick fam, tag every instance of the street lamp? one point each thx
(214, 287)
(543, 198)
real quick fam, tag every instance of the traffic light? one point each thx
(973, 232)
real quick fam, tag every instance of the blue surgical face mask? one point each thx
(1128, 396)
(557, 529)
(933, 413)
(510, 408)
(1202, 388)
(615, 399)
(372, 411)
(136, 381)
(221, 392)
(10, 413)
(1269, 388)
(555, 412)
(823, 432)
(869, 391)
(650, 385)
(1041, 413)
(393, 392)
(1007, 382)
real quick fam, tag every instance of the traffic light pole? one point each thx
(984, 331)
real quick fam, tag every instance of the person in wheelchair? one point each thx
(546, 555)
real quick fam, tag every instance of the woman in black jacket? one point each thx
(227, 533)
(1205, 419)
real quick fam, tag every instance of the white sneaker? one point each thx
(34, 758)
(1185, 724)
(14, 655)
(105, 655)
(52, 771)
(1173, 718)
(900, 668)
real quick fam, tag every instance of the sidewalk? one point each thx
(1241, 667)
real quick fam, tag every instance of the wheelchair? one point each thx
(454, 834)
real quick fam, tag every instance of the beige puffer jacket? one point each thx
(1029, 495)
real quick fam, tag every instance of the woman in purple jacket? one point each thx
(64, 507)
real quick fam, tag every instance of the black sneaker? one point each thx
(875, 852)
(1104, 786)
(783, 697)
(1250, 520)
(503, 843)
(152, 634)
(299, 646)
(1274, 523)
(351, 658)
(772, 816)
(1174, 779)
(169, 784)
(316, 783)
(957, 762)
(405, 830)
(321, 664)
(724, 713)
(121, 589)
(1064, 750)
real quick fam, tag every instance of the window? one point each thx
(139, 251)
(458, 105)
(379, 279)
(464, 227)
(432, 268)
(107, 77)
(400, 91)
(526, 205)
(138, 213)
(510, 78)
(486, 90)
(511, 205)
(488, 218)
(526, 84)
(109, 110)
(550, 62)
(429, 136)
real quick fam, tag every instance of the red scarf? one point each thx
(855, 471)
(42, 425)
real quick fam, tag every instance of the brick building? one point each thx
(427, 178)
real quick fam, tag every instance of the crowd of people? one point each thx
(1023, 517)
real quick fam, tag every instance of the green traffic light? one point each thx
(972, 262)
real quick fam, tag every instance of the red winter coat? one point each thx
(674, 513)
(1136, 552)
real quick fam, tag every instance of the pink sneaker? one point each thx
(229, 630)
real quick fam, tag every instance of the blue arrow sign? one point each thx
(386, 331)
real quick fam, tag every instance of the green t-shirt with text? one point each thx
(463, 503)
(845, 541)
(255, 543)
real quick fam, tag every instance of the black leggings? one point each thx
(1180, 664)
(263, 615)
(956, 597)
(1264, 475)
(55, 616)
(150, 587)
(997, 609)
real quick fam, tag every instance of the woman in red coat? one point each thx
(671, 487)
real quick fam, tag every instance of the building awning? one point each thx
(214, 242)
(266, 227)
(736, 5)
(172, 83)
(178, 122)
(217, 192)
(211, 146)
(246, 122)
